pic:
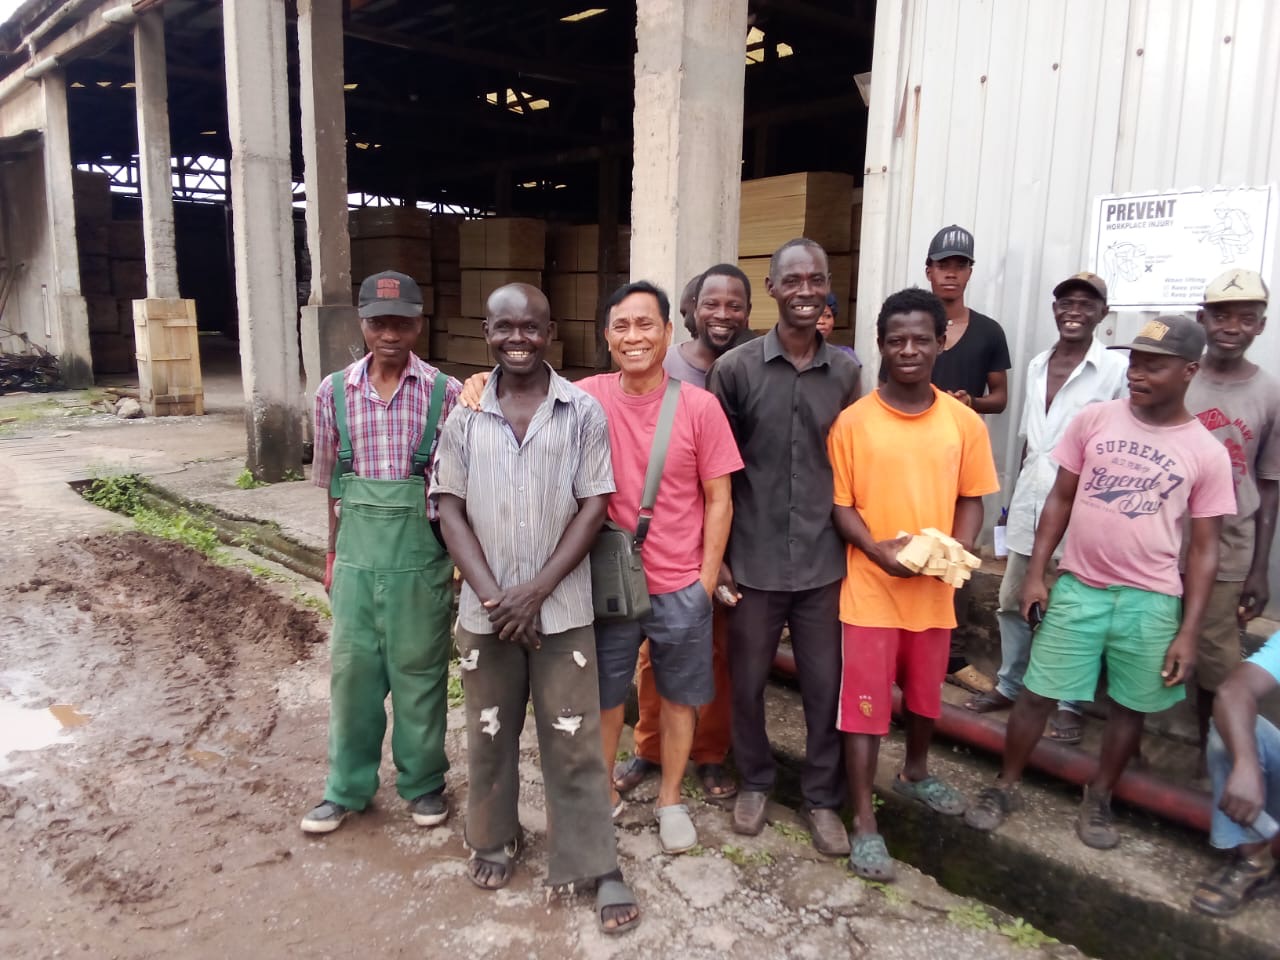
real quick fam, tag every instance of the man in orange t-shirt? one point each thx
(905, 457)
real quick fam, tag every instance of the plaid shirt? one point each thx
(384, 435)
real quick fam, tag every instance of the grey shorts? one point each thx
(679, 633)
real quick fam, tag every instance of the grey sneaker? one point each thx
(429, 809)
(1094, 826)
(325, 818)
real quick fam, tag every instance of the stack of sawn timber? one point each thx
(824, 207)
(573, 286)
(392, 238)
(113, 272)
(493, 252)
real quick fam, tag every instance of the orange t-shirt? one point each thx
(904, 472)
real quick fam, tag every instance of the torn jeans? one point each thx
(499, 678)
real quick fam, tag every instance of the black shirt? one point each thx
(782, 537)
(980, 351)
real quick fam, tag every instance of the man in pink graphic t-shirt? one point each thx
(1129, 471)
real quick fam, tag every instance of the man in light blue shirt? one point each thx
(1076, 371)
(1244, 764)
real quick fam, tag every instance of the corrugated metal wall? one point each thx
(1009, 117)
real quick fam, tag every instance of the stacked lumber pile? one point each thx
(573, 286)
(392, 238)
(824, 207)
(936, 554)
(113, 272)
(492, 253)
(446, 274)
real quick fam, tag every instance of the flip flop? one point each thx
(869, 858)
(988, 702)
(1071, 731)
(717, 784)
(631, 773)
(615, 893)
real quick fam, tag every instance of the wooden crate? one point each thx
(92, 238)
(478, 284)
(444, 237)
(91, 195)
(579, 339)
(124, 240)
(777, 209)
(168, 351)
(466, 327)
(439, 346)
(95, 274)
(129, 278)
(104, 315)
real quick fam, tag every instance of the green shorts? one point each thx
(1130, 628)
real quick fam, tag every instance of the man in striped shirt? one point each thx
(387, 573)
(523, 485)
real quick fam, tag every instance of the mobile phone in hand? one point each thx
(1035, 615)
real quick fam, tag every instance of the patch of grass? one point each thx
(312, 602)
(746, 858)
(245, 480)
(292, 476)
(119, 493)
(791, 832)
(623, 756)
(454, 690)
(261, 571)
(971, 916)
(182, 527)
(697, 850)
(692, 789)
(877, 801)
(1024, 934)
(891, 893)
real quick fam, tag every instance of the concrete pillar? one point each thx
(330, 327)
(266, 294)
(68, 313)
(154, 166)
(687, 172)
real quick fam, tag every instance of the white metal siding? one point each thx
(1010, 116)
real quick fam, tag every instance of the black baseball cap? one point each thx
(390, 294)
(952, 241)
(1172, 335)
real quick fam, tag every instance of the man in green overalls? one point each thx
(387, 573)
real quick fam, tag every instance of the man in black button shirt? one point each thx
(781, 393)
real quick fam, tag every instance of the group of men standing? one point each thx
(782, 503)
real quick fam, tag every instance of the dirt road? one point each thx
(168, 717)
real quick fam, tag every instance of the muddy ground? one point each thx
(184, 706)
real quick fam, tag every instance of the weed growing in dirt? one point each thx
(972, 916)
(292, 476)
(1024, 934)
(692, 788)
(746, 858)
(454, 690)
(245, 480)
(697, 850)
(182, 527)
(119, 493)
(891, 894)
(312, 602)
(792, 832)
(261, 571)
(877, 801)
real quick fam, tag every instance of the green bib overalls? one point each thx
(392, 603)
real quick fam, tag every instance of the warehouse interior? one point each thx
(485, 108)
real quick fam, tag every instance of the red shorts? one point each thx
(877, 657)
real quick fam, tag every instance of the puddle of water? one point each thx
(24, 726)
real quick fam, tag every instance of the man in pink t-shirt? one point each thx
(1129, 471)
(685, 545)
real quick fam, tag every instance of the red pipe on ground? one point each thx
(1171, 801)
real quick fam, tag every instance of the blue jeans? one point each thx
(1225, 833)
(1015, 632)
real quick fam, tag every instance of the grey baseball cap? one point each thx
(1173, 335)
(390, 294)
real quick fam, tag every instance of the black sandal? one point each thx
(503, 858)
(1224, 893)
(631, 773)
(716, 781)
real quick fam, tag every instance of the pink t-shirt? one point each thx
(702, 448)
(1137, 482)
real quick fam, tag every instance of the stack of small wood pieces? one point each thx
(934, 553)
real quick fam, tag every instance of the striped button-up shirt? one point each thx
(385, 434)
(520, 497)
